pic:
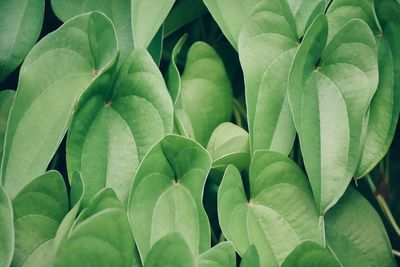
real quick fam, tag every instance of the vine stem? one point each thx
(383, 205)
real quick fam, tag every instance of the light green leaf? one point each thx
(6, 230)
(6, 100)
(206, 93)
(182, 124)
(229, 144)
(173, 75)
(101, 238)
(166, 195)
(267, 45)
(43, 256)
(250, 258)
(342, 11)
(222, 255)
(147, 17)
(170, 251)
(38, 211)
(118, 11)
(330, 88)
(76, 196)
(55, 73)
(155, 47)
(280, 207)
(385, 106)
(310, 254)
(21, 22)
(116, 124)
(231, 15)
(305, 11)
(355, 233)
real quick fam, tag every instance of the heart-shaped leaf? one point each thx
(310, 254)
(6, 100)
(54, 74)
(170, 251)
(229, 144)
(330, 88)
(280, 207)
(355, 233)
(222, 255)
(116, 124)
(251, 258)
(118, 11)
(6, 230)
(101, 236)
(166, 195)
(385, 106)
(21, 22)
(267, 45)
(206, 93)
(41, 205)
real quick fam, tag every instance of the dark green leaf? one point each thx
(6, 100)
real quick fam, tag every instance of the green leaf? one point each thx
(43, 256)
(385, 106)
(116, 124)
(330, 88)
(310, 254)
(229, 144)
(101, 239)
(251, 258)
(38, 211)
(305, 11)
(155, 47)
(6, 230)
(147, 17)
(118, 11)
(222, 255)
(342, 11)
(170, 251)
(166, 195)
(206, 93)
(55, 73)
(355, 233)
(267, 45)
(21, 22)
(76, 196)
(6, 100)
(280, 207)
(230, 16)
(173, 75)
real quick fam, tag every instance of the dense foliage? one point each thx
(208, 133)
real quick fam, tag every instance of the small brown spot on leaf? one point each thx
(107, 104)
(94, 72)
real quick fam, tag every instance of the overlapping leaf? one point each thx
(250, 258)
(38, 211)
(385, 106)
(171, 250)
(229, 144)
(100, 236)
(6, 230)
(116, 124)
(267, 45)
(6, 100)
(310, 254)
(280, 207)
(21, 22)
(222, 255)
(166, 195)
(231, 15)
(330, 89)
(53, 76)
(205, 92)
(355, 233)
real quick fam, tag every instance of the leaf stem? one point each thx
(383, 205)
(396, 253)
